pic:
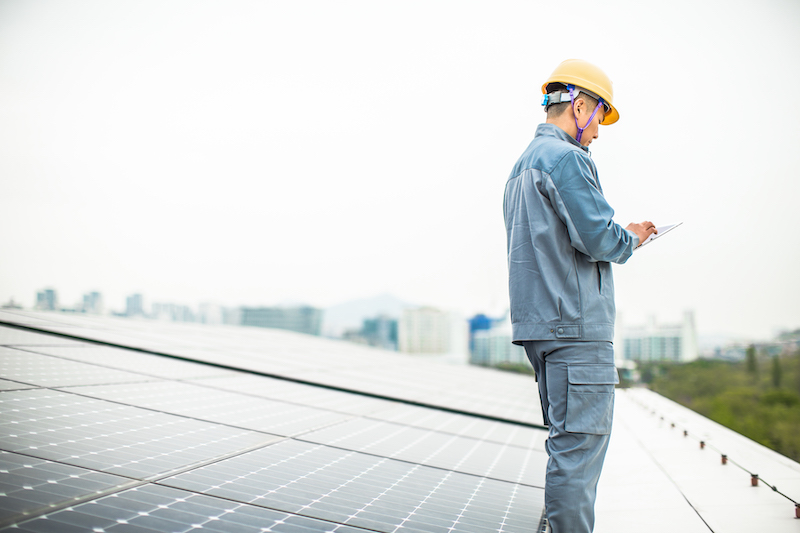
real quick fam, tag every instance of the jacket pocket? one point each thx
(590, 398)
(599, 279)
(604, 280)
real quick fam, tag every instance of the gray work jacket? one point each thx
(561, 238)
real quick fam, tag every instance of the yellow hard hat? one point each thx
(586, 76)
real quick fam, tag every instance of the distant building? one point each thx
(731, 351)
(208, 313)
(380, 331)
(300, 319)
(477, 323)
(790, 341)
(426, 330)
(47, 300)
(93, 303)
(134, 305)
(492, 345)
(354, 336)
(736, 351)
(173, 312)
(232, 316)
(660, 342)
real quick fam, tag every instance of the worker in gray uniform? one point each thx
(562, 240)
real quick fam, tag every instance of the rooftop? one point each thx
(115, 424)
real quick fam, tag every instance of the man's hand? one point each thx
(642, 230)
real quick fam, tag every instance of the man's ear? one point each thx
(580, 106)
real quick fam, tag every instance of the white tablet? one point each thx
(662, 230)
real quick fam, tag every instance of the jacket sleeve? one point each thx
(576, 196)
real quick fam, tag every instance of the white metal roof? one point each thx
(655, 479)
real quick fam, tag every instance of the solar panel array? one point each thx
(170, 427)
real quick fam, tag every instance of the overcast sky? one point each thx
(314, 151)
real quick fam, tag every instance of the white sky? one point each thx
(316, 151)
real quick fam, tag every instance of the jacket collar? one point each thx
(551, 130)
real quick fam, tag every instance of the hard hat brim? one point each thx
(611, 117)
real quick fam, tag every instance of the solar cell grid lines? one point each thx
(329, 363)
(143, 363)
(299, 393)
(17, 337)
(478, 428)
(223, 407)
(46, 371)
(110, 437)
(156, 443)
(160, 509)
(26, 319)
(356, 489)
(21, 477)
(6, 384)
(443, 450)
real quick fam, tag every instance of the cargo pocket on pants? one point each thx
(590, 398)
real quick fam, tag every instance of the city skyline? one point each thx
(358, 310)
(254, 153)
(482, 340)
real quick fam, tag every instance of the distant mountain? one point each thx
(351, 315)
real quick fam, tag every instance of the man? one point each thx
(561, 241)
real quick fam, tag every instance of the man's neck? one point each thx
(568, 125)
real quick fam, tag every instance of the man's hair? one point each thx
(556, 110)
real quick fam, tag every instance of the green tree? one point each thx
(752, 362)
(795, 368)
(776, 372)
(730, 393)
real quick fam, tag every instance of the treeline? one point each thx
(758, 397)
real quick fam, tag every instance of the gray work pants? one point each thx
(576, 386)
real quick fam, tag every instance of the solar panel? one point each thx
(443, 450)
(6, 384)
(359, 489)
(13, 337)
(103, 438)
(143, 363)
(223, 407)
(29, 483)
(157, 509)
(111, 437)
(467, 426)
(288, 391)
(324, 362)
(46, 371)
